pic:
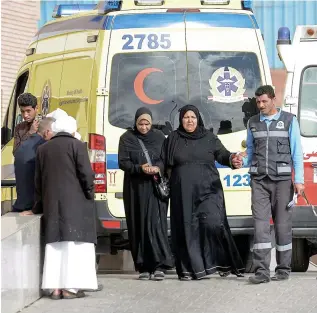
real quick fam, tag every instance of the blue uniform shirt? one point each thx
(295, 143)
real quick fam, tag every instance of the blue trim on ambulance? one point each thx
(146, 20)
(164, 20)
(221, 20)
(112, 162)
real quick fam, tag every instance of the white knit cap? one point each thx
(58, 113)
(65, 124)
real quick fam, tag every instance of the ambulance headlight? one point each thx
(283, 37)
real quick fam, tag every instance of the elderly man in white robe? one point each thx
(65, 197)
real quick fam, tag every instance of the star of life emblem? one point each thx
(227, 85)
(46, 95)
(280, 125)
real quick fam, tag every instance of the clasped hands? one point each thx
(237, 160)
(150, 170)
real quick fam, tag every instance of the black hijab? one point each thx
(150, 137)
(170, 144)
(200, 130)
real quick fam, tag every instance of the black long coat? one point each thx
(64, 190)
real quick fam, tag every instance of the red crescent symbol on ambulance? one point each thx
(139, 85)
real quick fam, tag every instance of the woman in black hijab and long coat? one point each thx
(201, 238)
(146, 214)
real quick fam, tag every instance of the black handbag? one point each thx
(161, 183)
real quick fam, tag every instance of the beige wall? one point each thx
(18, 25)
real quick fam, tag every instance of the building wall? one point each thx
(273, 14)
(19, 23)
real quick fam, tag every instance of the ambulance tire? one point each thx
(300, 255)
(243, 243)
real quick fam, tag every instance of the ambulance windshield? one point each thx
(220, 84)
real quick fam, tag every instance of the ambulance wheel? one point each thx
(300, 255)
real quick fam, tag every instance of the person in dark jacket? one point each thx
(24, 165)
(201, 237)
(64, 194)
(146, 214)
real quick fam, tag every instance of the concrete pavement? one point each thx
(123, 293)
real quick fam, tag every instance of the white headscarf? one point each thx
(65, 124)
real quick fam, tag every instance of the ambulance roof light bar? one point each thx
(107, 6)
(61, 10)
(247, 5)
(285, 49)
(283, 36)
(149, 2)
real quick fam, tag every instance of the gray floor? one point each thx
(123, 293)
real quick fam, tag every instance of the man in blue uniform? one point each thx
(273, 151)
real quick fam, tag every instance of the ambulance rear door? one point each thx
(224, 69)
(146, 67)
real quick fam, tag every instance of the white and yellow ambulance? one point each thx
(300, 98)
(100, 64)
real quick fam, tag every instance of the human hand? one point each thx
(25, 213)
(153, 170)
(236, 161)
(145, 168)
(299, 188)
(34, 126)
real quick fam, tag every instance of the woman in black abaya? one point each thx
(201, 237)
(146, 214)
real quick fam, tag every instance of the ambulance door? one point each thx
(223, 73)
(76, 79)
(307, 116)
(12, 118)
(47, 73)
(146, 67)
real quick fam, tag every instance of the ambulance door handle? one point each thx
(314, 164)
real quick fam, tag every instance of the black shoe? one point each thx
(279, 275)
(145, 276)
(158, 275)
(185, 278)
(259, 278)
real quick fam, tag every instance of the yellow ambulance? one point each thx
(101, 62)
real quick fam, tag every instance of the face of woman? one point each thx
(190, 121)
(143, 126)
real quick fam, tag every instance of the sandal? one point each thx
(71, 295)
(55, 296)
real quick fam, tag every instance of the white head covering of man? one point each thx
(65, 124)
(56, 114)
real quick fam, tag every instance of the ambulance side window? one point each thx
(13, 116)
(308, 102)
